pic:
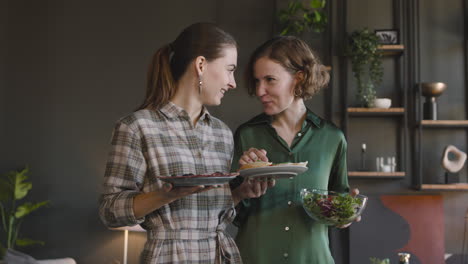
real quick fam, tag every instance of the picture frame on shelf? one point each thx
(387, 36)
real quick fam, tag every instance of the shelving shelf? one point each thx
(391, 49)
(444, 123)
(362, 111)
(449, 187)
(376, 174)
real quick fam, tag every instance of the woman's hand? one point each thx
(146, 203)
(252, 155)
(172, 193)
(252, 188)
(353, 192)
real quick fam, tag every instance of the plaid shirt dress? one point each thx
(152, 143)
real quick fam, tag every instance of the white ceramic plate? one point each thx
(278, 171)
(194, 180)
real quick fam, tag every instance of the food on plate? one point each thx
(191, 175)
(259, 164)
(256, 164)
(303, 164)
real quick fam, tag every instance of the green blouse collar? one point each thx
(264, 118)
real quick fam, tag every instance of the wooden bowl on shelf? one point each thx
(433, 89)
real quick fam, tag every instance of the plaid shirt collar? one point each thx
(173, 111)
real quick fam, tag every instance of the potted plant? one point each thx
(379, 261)
(366, 61)
(298, 17)
(14, 188)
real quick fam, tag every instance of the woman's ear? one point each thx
(299, 77)
(200, 65)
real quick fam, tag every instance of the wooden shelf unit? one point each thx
(388, 50)
(446, 187)
(376, 174)
(444, 123)
(362, 111)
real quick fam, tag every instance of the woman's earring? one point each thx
(297, 92)
(200, 84)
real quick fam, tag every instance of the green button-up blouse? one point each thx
(275, 228)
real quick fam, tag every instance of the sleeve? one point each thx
(124, 175)
(244, 205)
(339, 174)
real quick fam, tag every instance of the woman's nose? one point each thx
(260, 89)
(232, 83)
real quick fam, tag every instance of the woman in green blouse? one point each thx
(273, 228)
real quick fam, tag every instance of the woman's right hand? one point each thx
(252, 187)
(252, 155)
(146, 203)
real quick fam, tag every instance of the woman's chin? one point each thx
(269, 111)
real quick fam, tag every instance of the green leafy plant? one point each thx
(366, 60)
(14, 187)
(379, 261)
(298, 17)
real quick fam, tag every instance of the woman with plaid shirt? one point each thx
(172, 133)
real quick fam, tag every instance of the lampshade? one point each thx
(135, 228)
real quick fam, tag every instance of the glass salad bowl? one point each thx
(332, 208)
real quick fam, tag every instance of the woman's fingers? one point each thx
(260, 154)
(271, 182)
(354, 191)
(252, 155)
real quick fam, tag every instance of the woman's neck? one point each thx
(291, 118)
(187, 98)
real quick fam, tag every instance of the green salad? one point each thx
(337, 209)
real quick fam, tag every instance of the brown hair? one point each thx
(295, 56)
(170, 62)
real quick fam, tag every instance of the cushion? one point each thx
(57, 261)
(15, 257)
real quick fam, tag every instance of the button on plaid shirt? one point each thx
(151, 143)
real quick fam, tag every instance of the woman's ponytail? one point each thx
(160, 85)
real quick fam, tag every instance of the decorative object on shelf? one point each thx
(366, 61)
(298, 17)
(431, 90)
(382, 102)
(390, 166)
(387, 36)
(13, 188)
(379, 261)
(455, 165)
(404, 258)
(363, 157)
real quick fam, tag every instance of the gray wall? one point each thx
(75, 67)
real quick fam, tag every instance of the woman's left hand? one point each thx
(252, 188)
(353, 192)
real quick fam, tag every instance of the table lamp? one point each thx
(135, 228)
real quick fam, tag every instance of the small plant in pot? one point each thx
(13, 189)
(366, 61)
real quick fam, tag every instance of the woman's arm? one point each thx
(146, 203)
